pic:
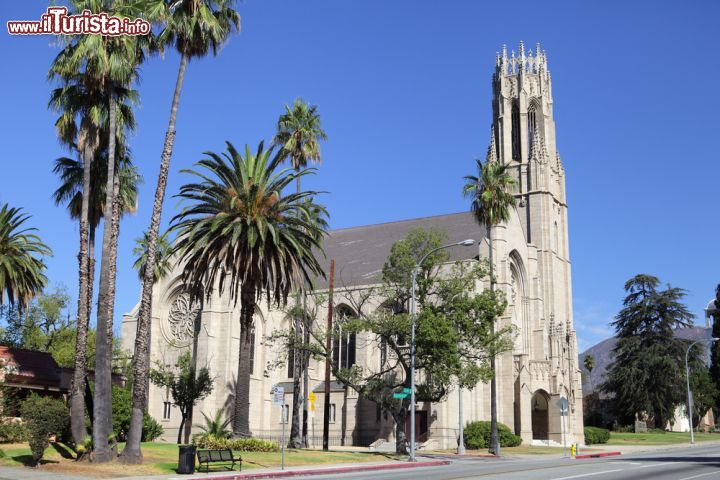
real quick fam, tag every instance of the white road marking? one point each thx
(589, 474)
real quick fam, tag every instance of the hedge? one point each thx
(238, 444)
(594, 435)
(477, 435)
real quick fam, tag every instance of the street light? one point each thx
(689, 395)
(413, 315)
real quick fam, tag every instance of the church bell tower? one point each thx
(523, 138)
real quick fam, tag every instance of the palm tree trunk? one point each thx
(295, 440)
(295, 437)
(77, 402)
(494, 447)
(103, 342)
(141, 361)
(241, 423)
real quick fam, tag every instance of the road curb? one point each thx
(326, 471)
(597, 455)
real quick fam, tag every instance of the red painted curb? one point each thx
(597, 455)
(326, 471)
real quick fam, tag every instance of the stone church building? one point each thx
(532, 268)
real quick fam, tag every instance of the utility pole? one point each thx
(328, 345)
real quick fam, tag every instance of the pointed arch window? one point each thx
(344, 343)
(515, 134)
(531, 124)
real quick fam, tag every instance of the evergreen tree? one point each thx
(645, 378)
(715, 351)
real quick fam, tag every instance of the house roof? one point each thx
(360, 252)
(31, 366)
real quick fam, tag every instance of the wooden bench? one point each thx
(218, 456)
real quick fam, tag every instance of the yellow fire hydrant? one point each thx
(573, 450)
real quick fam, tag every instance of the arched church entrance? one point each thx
(540, 419)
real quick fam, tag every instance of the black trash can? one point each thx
(186, 459)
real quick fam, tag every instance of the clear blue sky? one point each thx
(404, 92)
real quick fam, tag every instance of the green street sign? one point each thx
(399, 395)
(407, 391)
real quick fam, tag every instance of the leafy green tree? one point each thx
(187, 385)
(298, 135)
(241, 233)
(163, 264)
(704, 391)
(22, 269)
(455, 337)
(645, 377)
(194, 28)
(491, 202)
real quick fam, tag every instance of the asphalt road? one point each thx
(699, 462)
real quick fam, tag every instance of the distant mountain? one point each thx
(603, 355)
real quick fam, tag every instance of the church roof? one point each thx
(360, 252)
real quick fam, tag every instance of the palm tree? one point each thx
(589, 362)
(492, 199)
(22, 269)
(163, 265)
(298, 136)
(109, 64)
(70, 193)
(83, 109)
(240, 232)
(194, 27)
(215, 427)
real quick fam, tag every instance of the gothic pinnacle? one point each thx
(492, 149)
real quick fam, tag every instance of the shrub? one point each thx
(121, 410)
(151, 428)
(477, 435)
(239, 444)
(594, 435)
(44, 416)
(13, 432)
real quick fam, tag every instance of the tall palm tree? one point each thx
(70, 193)
(83, 108)
(298, 136)
(240, 232)
(109, 64)
(163, 265)
(194, 28)
(491, 201)
(589, 363)
(22, 269)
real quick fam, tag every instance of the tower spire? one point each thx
(492, 149)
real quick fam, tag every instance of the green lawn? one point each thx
(653, 438)
(161, 458)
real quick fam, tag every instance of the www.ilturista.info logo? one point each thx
(57, 22)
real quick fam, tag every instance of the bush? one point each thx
(44, 416)
(121, 410)
(477, 435)
(13, 432)
(239, 444)
(595, 435)
(151, 428)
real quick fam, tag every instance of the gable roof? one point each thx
(31, 366)
(360, 252)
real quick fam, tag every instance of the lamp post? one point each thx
(413, 317)
(689, 394)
